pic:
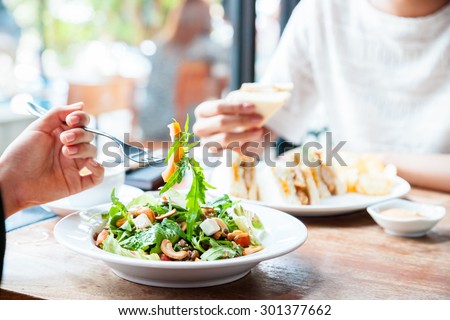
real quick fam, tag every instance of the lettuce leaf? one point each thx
(176, 198)
(143, 200)
(152, 237)
(249, 222)
(112, 245)
(220, 251)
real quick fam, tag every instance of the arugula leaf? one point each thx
(231, 224)
(223, 203)
(177, 176)
(197, 192)
(197, 241)
(186, 124)
(152, 237)
(117, 207)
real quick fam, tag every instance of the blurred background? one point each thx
(135, 64)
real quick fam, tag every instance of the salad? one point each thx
(177, 227)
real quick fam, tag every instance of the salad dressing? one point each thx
(401, 213)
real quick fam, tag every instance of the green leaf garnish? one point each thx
(197, 192)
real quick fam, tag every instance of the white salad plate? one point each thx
(86, 200)
(76, 232)
(334, 205)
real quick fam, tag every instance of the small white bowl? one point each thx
(114, 178)
(407, 227)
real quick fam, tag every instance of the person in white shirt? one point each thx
(380, 70)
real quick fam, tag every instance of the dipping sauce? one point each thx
(401, 213)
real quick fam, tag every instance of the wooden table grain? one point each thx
(345, 257)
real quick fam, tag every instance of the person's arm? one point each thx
(217, 121)
(2, 233)
(43, 164)
(430, 171)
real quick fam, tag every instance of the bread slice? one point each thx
(276, 185)
(237, 177)
(311, 188)
(266, 98)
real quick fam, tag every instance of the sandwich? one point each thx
(287, 184)
(236, 176)
(305, 185)
(326, 178)
(267, 98)
(295, 181)
(277, 185)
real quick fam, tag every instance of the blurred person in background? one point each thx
(43, 163)
(183, 46)
(380, 68)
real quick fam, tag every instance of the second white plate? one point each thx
(68, 205)
(335, 205)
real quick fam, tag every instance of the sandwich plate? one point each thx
(334, 205)
(76, 232)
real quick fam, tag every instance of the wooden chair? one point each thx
(194, 84)
(99, 99)
(115, 94)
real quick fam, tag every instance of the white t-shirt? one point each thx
(383, 80)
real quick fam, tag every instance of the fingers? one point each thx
(97, 171)
(76, 143)
(79, 151)
(214, 117)
(213, 108)
(56, 117)
(232, 140)
(75, 136)
(226, 123)
(77, 119)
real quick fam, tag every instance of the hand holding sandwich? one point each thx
(228, 124)
(239, 119)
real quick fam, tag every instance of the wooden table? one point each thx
(345, 257)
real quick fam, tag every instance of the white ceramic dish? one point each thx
(284, 236)
(407, 227)
(69, 205)
(335, 205)
(114, 178)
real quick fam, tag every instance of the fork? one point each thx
(133, 153)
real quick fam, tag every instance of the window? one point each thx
(258, 25)
(134, 64)
(154, 59)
